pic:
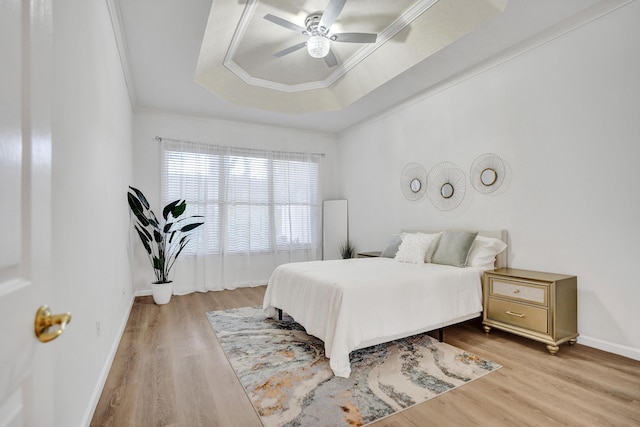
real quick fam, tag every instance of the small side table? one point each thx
(373, 254)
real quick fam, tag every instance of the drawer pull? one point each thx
(517, 291)
(511, 313)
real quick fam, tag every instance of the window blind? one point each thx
(253, 202)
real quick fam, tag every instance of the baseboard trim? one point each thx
(621, 350)
(102, 379)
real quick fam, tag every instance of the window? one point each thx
(253, 201)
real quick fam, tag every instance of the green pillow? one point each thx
(454, 247)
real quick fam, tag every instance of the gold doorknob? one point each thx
(44, 321)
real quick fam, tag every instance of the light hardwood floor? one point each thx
(170, 371)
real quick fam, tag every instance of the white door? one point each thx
(26, 376)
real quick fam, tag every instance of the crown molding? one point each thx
(121, 42)
(155, 112)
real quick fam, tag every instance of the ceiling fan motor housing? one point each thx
(312, 23)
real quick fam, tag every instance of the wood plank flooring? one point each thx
(170, 371)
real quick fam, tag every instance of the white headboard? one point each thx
(501, 259)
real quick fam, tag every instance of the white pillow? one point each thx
(483, 252)
(414, 247)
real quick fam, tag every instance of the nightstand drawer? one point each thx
(521, 315)
(516, 290)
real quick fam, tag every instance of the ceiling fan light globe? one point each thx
(318, 46)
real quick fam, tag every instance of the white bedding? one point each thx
(355, 303)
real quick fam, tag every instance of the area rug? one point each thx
(288, 379)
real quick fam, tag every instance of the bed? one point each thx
(356, 303)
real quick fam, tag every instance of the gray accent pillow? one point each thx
(429, 255)
(391, 249)
(454, 247)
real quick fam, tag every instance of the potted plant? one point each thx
(162, 243)
(347, 250)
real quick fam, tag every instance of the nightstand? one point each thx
(533, 304)
(373, 254)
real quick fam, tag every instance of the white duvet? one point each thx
(355, 303)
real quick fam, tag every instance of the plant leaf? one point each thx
(182, 246)
(141, 197)
(153, 218)
(136, 208)
(157, 236)
(179, 209)
(191, 226)
(144, 240)
(158, 263)
(148, 235)
(134, 203)
(169, 208)
(189, 218)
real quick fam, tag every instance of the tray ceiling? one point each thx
(237, 59)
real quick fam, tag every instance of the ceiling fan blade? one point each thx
(354, 37)
(331, 14)
(284, 23)
(290, 49)
(330, 59)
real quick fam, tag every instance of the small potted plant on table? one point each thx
(347, 250)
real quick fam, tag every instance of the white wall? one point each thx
(92, 166)
(565, 117)
(146, 157)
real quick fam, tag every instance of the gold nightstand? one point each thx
(533, 304)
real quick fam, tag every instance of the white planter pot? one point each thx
(162, 292)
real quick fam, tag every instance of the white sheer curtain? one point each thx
(261, 209)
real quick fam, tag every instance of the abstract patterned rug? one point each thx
(288, 379)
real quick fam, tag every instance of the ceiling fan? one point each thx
(318, 30)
